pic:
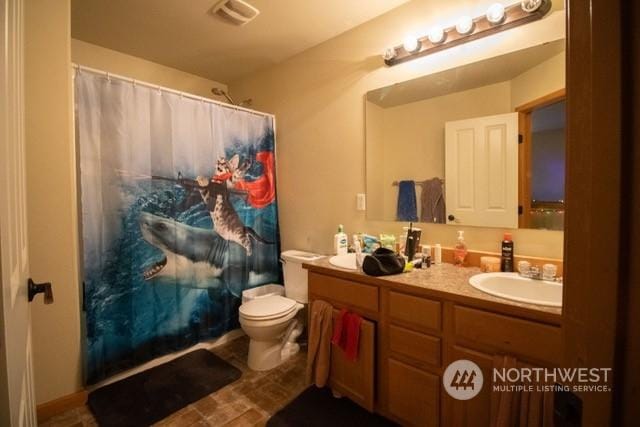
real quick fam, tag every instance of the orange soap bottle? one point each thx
(460, 251)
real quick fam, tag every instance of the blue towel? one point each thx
(407, 206)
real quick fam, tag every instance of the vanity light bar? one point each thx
(494, 21)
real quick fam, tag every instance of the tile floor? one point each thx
(250, 401)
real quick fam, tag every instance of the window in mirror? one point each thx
(543, 164)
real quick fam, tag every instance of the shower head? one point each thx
(221, 92)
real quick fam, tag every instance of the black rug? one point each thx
(317, 407)
(148, 397)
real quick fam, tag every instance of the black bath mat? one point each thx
(154, 394)
(317, 407)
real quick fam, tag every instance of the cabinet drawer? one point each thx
(511, 335)
(414, 395)
(349, 293)
(420, 347)
(419, 312)
(355, 379)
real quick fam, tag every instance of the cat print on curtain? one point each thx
(179, 216)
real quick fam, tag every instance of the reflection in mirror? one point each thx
(480, 145)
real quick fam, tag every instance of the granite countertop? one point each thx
(441, 279)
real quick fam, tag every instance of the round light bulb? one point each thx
(411, 44)
(495, 13)
(530, 6)
(389, 53)
(464, 25)
(436, 35)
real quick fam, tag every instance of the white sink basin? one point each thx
(514, 287)
(346, 261)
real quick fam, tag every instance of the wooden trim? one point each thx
(593, 194)
(524, 169)
(55, 407)
(627, 373)
(543, 101)
(524, 152)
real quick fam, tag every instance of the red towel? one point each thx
(346, 334)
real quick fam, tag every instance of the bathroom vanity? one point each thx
(414, 325)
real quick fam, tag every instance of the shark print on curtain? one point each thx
(179, 216)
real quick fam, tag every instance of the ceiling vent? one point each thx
(237, 12)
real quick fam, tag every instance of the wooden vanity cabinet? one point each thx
(408, 338)
(353, 379)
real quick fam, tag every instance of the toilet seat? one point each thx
(267, 308)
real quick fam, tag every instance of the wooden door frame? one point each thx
(599, 318)
(524, 151)
(627, 375)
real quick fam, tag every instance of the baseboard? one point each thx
(65, 403)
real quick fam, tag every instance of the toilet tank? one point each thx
(296, 277)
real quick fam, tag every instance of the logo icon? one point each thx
(462, 379)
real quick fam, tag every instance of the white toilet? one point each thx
(268, 317)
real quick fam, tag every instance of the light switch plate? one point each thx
(361, 201)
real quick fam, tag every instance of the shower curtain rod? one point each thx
(109, 75)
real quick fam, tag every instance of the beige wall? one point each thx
(318, 98)
(541, 80)
(104, 59)
(52, 220)
(52, 195)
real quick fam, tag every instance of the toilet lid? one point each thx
(267, 307)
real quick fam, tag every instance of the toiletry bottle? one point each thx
(426, 255)
(341, 241)
(358, 249)
(506, 261)
(460, 250)
(437, 254)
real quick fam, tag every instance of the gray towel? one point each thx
(432, 201)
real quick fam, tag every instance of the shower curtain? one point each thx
(179, 216)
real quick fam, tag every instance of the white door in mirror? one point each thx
(481, 171)
(517, 288)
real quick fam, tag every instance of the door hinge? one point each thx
(520, 210)
(520, 138)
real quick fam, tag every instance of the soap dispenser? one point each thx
(460, 251)
(340, 241)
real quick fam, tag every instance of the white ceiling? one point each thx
(482, 73)
(183, 34)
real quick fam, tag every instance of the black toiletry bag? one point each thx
(383, 262)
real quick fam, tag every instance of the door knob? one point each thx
(451, 217)
(37, 288)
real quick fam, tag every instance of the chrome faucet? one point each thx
(547, 272)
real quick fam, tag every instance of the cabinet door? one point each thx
(354, 379)
(477, 410)
(413, 395)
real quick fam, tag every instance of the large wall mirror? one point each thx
(480, 145)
